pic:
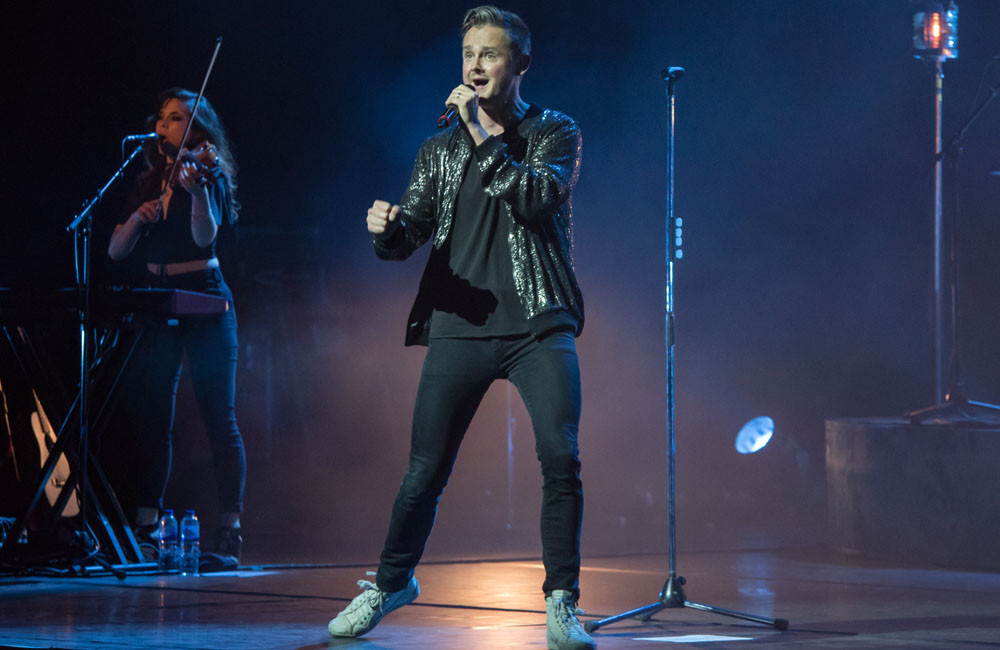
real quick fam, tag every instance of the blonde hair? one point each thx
(517, 30)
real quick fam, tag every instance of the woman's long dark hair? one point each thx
(207, 126)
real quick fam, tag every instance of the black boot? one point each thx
(229, 542)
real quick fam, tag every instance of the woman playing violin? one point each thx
(172, 220)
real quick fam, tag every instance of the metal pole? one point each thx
(939, 299)
(672, 595)
(669, 333)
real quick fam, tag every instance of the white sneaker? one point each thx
(562, 629)
(368, 608)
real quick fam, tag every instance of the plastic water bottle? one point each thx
(190, 549)
(168, 541)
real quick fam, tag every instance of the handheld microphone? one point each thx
(451, 112)
(145, 137)
(450, 115)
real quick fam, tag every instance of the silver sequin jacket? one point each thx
(534, 177)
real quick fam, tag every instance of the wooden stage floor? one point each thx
(831, 600)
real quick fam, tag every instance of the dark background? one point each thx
(804, 174)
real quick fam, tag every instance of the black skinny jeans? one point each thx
(210, 345)
(455, 377)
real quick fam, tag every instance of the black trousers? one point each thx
(211, 348)
(455, 377)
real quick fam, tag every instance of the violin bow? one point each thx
(194, 112)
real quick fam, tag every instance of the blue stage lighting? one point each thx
(754, 435)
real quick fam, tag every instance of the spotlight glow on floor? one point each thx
(694, 638)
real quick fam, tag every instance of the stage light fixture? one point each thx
(935, 32)
(754, 435)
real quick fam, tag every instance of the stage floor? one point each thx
(831, 601)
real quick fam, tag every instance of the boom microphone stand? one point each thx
(672, 595)
(954, 407)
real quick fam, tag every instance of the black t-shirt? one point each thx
(475, 295)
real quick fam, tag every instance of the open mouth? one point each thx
(479, 83)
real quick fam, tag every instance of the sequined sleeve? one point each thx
(417, 210)
(535, 187)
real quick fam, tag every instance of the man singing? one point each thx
(498, 300)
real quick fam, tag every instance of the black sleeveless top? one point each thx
(170, 239)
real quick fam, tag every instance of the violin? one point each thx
(204, 157)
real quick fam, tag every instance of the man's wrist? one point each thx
(390, 232)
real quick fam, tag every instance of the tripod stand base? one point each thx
(672, 597)
(956, 409)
